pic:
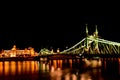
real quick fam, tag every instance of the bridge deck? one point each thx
(69, 56)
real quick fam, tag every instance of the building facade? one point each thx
(14, 52)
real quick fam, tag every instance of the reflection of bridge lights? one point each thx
(70, 61)
(67, 76)
(93, 63)
(119, 60)
(74, 77)
(52, 69)
(85, 77)
(56, 74)
(43, 66)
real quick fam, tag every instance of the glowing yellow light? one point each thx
(19, 67)
(1, 67)
(7, 67)
(58, 50)
(13, 67)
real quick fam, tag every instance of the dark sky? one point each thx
(55, 26)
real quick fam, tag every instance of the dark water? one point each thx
(68, 69)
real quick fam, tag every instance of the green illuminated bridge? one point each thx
(92, 46)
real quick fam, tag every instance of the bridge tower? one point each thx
(86, 41)
(96, 31)
(96, 37)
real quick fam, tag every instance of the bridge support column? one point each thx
(118, 49)
(86, 41)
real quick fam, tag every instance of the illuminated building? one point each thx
(14, 52)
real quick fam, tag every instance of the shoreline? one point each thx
(19, 58)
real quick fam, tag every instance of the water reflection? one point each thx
(19, 67)
(85, 76)
(43, 67)
(86, 69)
(67, 69)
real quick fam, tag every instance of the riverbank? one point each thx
(30, 58)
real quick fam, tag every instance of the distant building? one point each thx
(14, 52)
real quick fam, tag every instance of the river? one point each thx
(67, 69)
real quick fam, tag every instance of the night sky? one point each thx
(51, 27)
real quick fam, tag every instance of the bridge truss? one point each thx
(92, 44)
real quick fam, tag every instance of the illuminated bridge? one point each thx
(93, 46)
